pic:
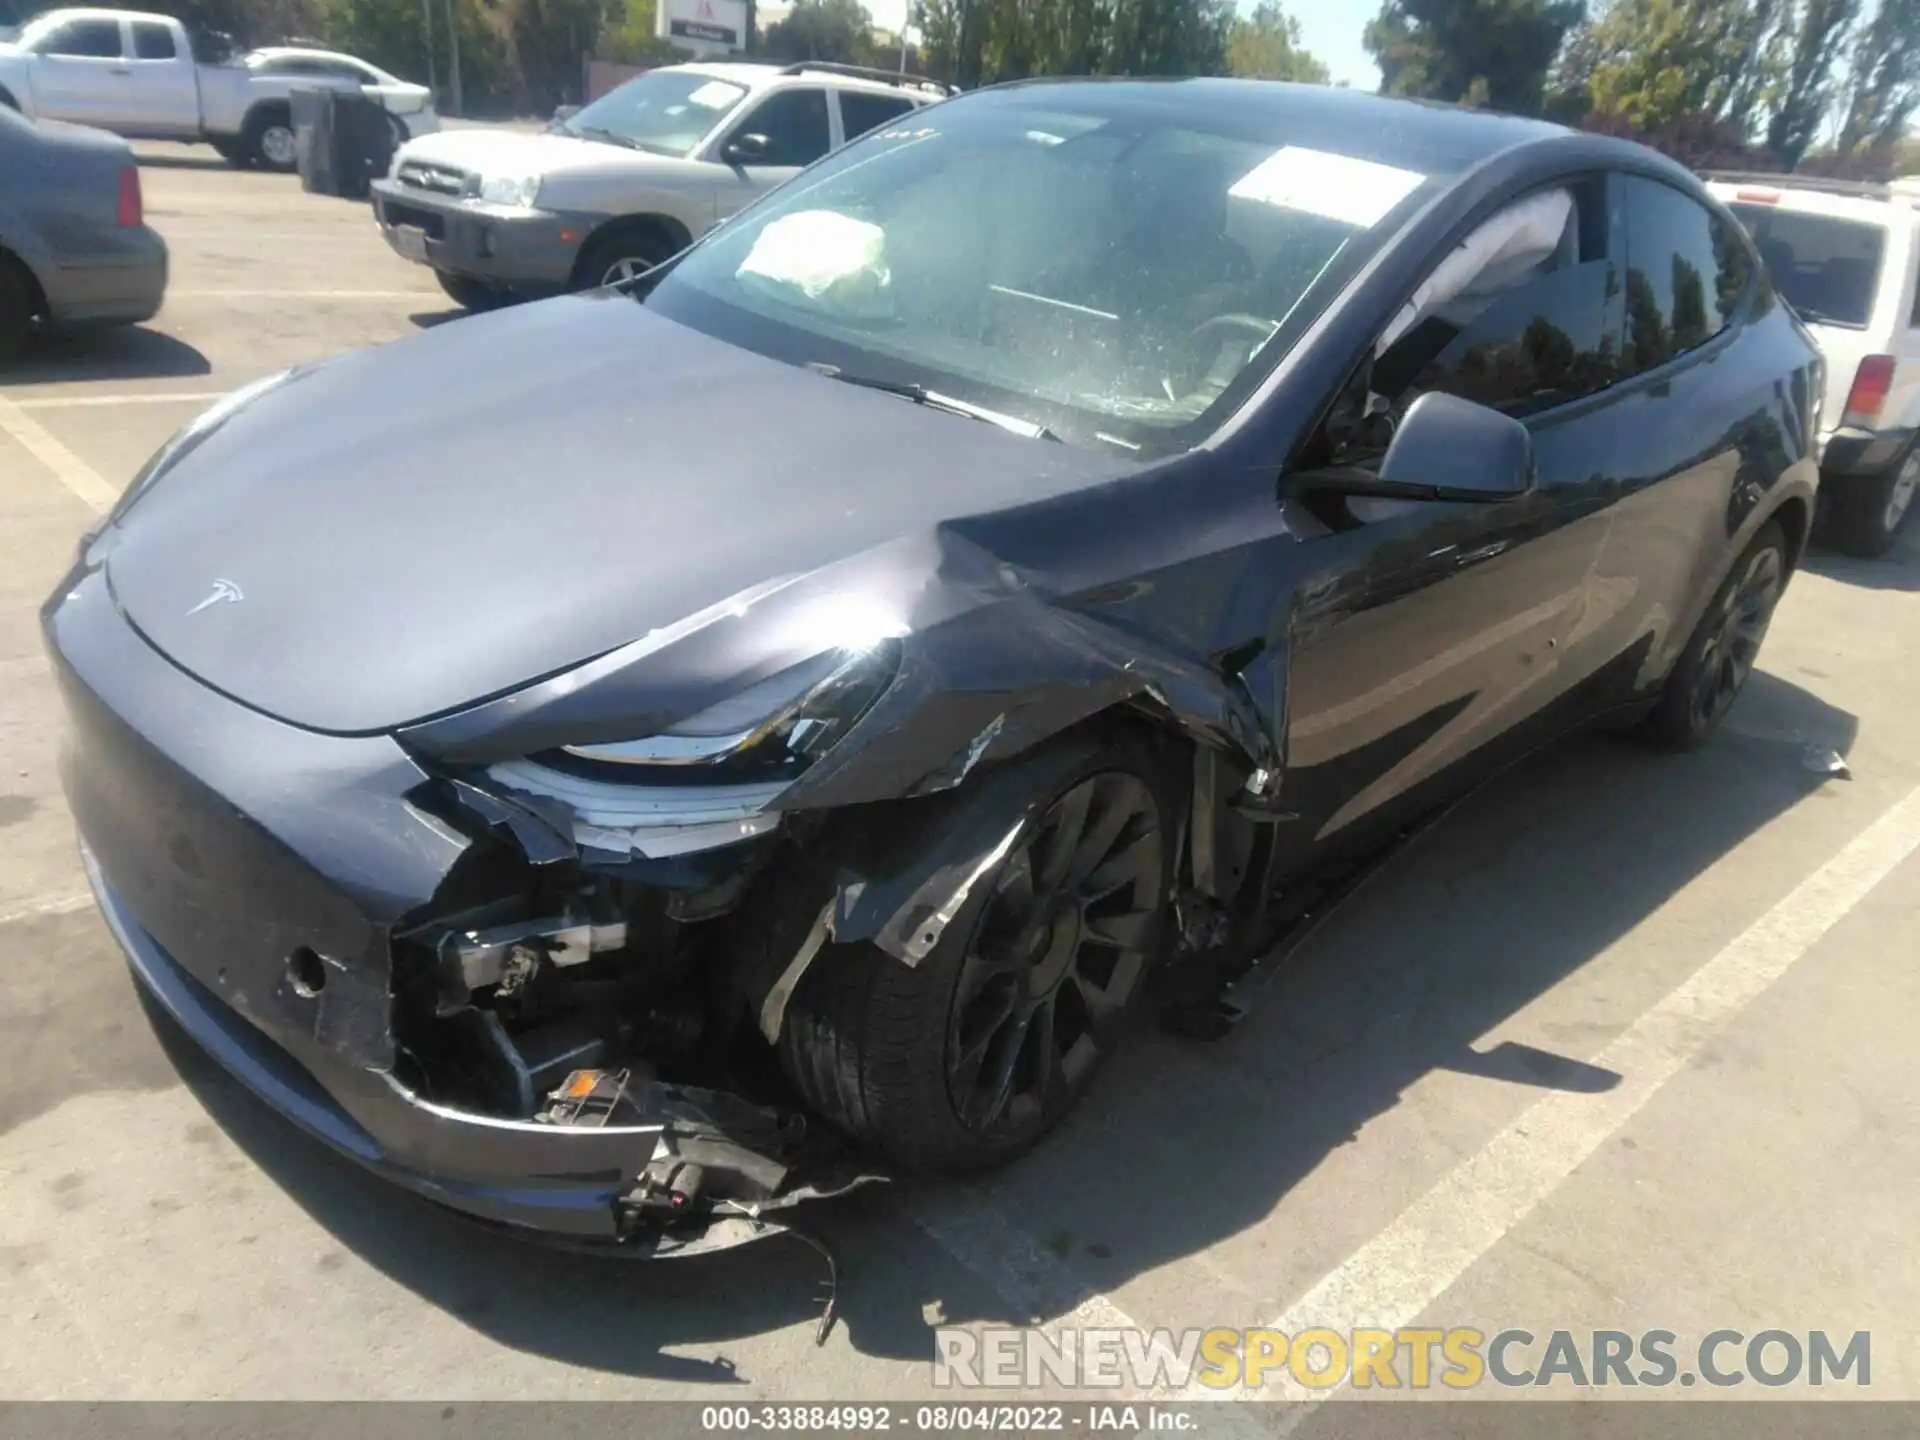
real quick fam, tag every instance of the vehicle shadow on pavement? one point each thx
(134, 353)
(1186, 1145)
(1898, 569)
(184, 160)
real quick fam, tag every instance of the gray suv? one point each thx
(627, 181)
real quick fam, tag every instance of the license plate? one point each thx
(411, 242)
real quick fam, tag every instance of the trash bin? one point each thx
(313, 139)
(364, 139)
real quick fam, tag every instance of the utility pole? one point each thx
(426, 20)
(453, 35)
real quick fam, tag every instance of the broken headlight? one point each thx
(781, 723)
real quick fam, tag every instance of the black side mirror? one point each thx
(749, 149)
(1447, 448)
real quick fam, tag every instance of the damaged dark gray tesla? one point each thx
(624, 764)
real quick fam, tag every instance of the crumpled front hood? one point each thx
(409, 529)
(504, 152)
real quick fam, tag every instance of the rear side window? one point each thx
(1686, 273)
(151, 41)
(1826, 268)
(861, 112)
(84, 39)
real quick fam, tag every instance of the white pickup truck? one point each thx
(141, 76)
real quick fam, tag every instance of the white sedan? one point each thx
(411, 105)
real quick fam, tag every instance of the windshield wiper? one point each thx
(934, 400)
(598, 132)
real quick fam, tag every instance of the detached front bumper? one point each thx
(531, 250)
(221, 844)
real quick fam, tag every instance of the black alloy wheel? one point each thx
(964, 1059)
(1057, 956)
(1745, 610)
(1720, 656)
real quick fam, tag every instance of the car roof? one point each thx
(302, 52)
(759, 75)
(1426, 135)
(95, 12)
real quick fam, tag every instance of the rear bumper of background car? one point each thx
(1847, 451)
(121, 283)
(222, 843)
(532, 250)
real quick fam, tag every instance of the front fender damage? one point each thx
(885, 839)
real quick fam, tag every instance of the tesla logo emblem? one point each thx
(222, 590)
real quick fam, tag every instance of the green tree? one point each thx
(547, 43)
(1883, 84)
(972, 42)
(837, 30)
(1266, 45)
(1654, 61)
(1437, 49)
(1689, 304)
(629, 37)
(392, 34)
(1648, 341)
(1806, 86)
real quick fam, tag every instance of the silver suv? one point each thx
(627, 181)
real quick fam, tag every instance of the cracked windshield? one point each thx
(1101, 272)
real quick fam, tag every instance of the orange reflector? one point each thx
(569, 236)
(580, 1084)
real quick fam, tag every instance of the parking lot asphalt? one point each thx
(1627, 1042)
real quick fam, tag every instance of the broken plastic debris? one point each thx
(1819, 760)
(587, 1098)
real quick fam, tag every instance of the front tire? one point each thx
(234, 152)
(623, 252)
(16, 309)
(473, 294)
(1713, 669)
(965, 1060)
(1867, 513)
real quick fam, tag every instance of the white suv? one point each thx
(628, 181)
(1846, 256)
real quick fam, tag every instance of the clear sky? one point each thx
(1330, 28)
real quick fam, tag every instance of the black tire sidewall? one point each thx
(258, 124)
(16, 310)
(475, 295)
(1673, 724)
(1856, 523)
(905, 1012)
(635, 242)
